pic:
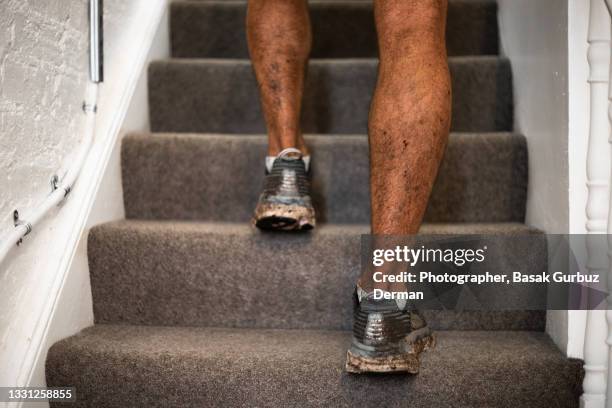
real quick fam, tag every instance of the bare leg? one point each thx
(408, 130)
(279, 38)
(410, 113)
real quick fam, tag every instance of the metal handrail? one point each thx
(63, 187)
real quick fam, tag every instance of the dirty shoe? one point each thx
(387, 337)
(285, 203)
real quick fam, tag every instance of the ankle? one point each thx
(275, 151)
(278, 144)
(288, 153)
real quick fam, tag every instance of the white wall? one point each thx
(578, 72)
(534, 36)
(73, 309)
(43, 71)
(578, 111)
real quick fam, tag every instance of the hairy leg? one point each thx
(279, 39)
(410, 113)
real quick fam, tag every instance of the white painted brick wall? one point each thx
(43, 73)
(43, 63)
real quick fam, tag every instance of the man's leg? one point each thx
(410, 112)
(408, 129)
(279, 38)
(409, 116)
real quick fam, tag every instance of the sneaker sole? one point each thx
(281, 217)
(357, 364)
(408, 363)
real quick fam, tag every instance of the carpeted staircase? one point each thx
(193, 307)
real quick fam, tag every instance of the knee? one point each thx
(399, 22)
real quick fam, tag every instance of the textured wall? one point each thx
(43, 73)
(43, 69)
(43, 64)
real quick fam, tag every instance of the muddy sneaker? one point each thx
(387, 336)
(285, 203)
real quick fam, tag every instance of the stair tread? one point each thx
(166, 365)
(483, 177)
(221, 96)
(364, 3)
(373, 61)
(225, 228)
(223, 274)
(339, 28)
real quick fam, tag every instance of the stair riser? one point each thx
(221, 96)
(196, 277)
(339, 30)
(483, 178)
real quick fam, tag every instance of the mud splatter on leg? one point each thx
(279, 39)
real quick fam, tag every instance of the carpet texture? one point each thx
(172, 273)
(483, 177)
(197, 367)
(340, 29)
(220, 96)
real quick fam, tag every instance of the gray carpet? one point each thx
(186, 259)
(176, 176)
(220, 96)
(173, 273)
(340, 29)
(200, 367)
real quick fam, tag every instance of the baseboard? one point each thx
(114, 105)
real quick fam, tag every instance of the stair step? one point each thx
(221, 96)
(118, 366)
(483, 177)
(340, 29)
(231, 275)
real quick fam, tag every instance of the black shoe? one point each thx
(285, 203)
(387, 336)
